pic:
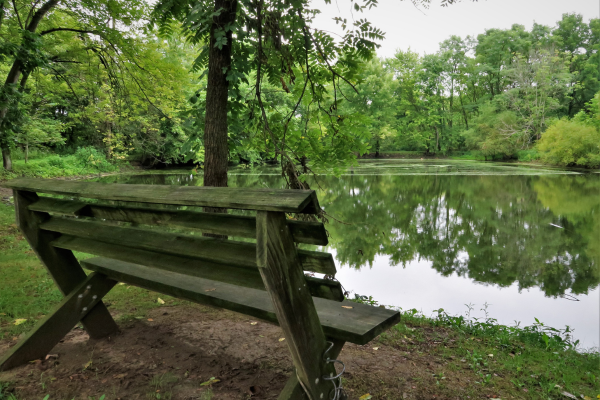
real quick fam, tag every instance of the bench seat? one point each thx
(359, 324)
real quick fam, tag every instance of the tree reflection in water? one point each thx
(534, 230)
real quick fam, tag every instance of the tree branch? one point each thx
(17, 13)
(67, 30)
(39, 14)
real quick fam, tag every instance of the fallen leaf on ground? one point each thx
(160, 301)
(19, 321)
(87, 365)
(1, 313)
(365, 397)
(569, 395)
(210, 381)
(49, 356)
(253, 323)
(150, 319)
(375, 348)
(346, 307)
(490, 355)
(119, 376)
(281, 339)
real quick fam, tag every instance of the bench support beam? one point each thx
(293, 390)
(52, 328)
(282, 274)
(60, 263)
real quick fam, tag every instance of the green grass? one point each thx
(86, 161)
(535, 362)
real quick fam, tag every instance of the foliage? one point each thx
(571, 143)
(90, 157)
(495, 93)
(52, 166)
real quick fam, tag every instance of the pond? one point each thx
(518, 242)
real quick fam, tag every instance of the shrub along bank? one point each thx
(85, 161)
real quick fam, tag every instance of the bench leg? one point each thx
(61, 264)
(51, 329)
(293, 390)
(284, 280)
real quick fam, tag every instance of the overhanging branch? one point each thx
(67, 30)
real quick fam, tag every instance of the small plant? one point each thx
(161, 385)
(4, 394)
(364, 300)
(206, 395)
(439, 377)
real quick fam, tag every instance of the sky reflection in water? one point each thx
(431, 234)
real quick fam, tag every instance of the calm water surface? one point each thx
(444, 234)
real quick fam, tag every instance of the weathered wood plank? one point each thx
(242, 254)
(61, 264)
(236, 275)
(283, 200)
(225, 224)
(53, 327)
(358, 324)
(293, 390)
(281, 272)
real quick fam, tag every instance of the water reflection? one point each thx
(502, 229)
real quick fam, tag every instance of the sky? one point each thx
(423, 29)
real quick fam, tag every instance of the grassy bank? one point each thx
(85, 161)
(460, 357)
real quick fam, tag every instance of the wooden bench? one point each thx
(264, 279)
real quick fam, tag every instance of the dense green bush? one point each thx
(571, 143)
(90, 157)
(528, 155)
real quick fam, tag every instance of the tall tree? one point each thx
(275, 40)
(27, 32)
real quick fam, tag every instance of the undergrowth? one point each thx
(85, 161)
(536, 361)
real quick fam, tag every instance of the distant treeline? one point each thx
(499, 93)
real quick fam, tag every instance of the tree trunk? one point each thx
(215, 126)
(464, 113)
(6, 160)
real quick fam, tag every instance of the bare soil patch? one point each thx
(169, 354)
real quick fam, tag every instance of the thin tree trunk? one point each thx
(215, 126)
(6, 161)
(464, 113)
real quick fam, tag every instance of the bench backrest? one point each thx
(120, 221)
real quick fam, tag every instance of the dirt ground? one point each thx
(174, 350)
(5, 194)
